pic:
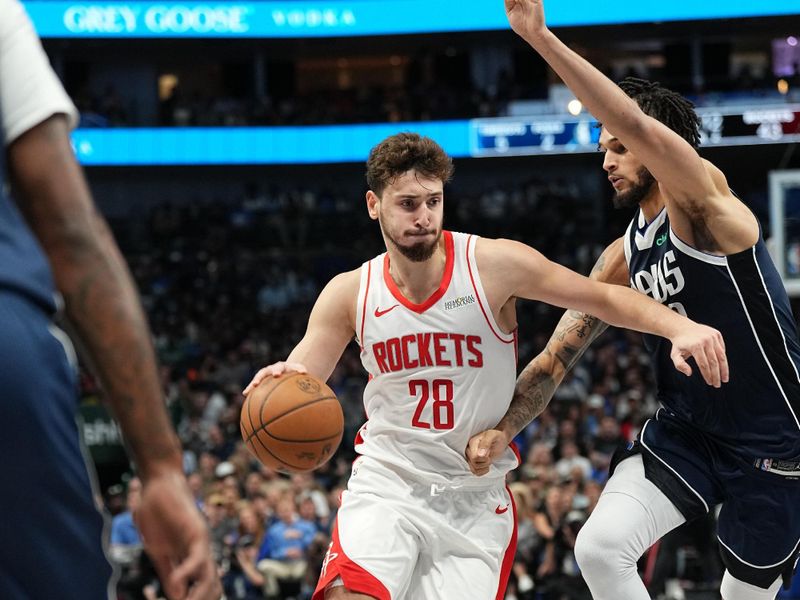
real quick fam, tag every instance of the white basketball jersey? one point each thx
(439, 372)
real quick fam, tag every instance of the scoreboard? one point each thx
(722, 126)
(734, 126)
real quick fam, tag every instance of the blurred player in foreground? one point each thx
(52, 531)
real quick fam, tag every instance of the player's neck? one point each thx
(652, 205)
(418, 280)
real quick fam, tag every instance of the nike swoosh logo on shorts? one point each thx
(500, 509)
(380, 313)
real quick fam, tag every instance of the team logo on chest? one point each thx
(434, 349)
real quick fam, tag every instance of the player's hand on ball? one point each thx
(274, 370)
(706, 346)
(483, 448)
(292, 423)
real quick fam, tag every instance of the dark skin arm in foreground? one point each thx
(103, 312)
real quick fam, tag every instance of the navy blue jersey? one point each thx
(755, 414)
(23, 266)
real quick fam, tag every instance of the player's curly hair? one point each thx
(672, 109)
(403, 152)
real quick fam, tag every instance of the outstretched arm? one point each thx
(539, 379)
(574, 333)
(694, 185)
(514, 270)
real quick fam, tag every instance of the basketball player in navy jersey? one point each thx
(53, 239)
(697, 249)
(435, 319)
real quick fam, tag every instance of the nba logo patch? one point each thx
(630, 446)
(766, 464)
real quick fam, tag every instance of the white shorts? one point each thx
(397, 538)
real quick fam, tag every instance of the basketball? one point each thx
(292, 423)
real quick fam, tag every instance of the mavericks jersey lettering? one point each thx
(439, 372)
(757, 413)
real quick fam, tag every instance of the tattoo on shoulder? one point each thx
(599, 265)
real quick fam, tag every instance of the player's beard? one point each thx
(418, 251)
(638, 191)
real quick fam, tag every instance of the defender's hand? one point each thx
(274, 370)
(484, 448)
(706, 346)
(526, 18)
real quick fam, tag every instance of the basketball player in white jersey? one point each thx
(435, 319)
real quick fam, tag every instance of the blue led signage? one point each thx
(277, 19)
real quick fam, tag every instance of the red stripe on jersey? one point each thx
(516, 345)
(478, 296)
(650, 564)
(359, 439)
(356, 579)
(511, 550)
(445, 283)
(515, 450)
(364, 308)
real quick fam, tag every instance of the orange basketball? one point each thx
(292, 423)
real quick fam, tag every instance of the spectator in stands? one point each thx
(528, 540)
(221, 527)
(125, 539)
(282, 557)
(571, 459)
(243, 581)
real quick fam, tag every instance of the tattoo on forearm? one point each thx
(581, 323)
(568, 355)
(538, 381)
(585, 327)
(535, 388)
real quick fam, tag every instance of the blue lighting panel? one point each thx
(253, 145)
(521, 136)
(280, 19)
